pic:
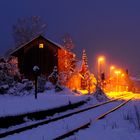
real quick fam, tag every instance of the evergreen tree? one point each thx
(69, 56)
(84, 71)
(84, 61)
(9, 73)
(54, 78)
(67, 60)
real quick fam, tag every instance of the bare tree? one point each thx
(68, 42)
(27, 28)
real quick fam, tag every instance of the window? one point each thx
(41, 45)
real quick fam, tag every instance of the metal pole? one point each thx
(35, 86)
(36, 72)
(117, 83)
(98, 72)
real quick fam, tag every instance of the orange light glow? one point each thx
(101, 58)
(117, 72)
(122, 95)
(112, 68)
(83, 91)
(81, 76)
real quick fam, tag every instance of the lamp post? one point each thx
(117, 72)
(123, 81)
(100, 63)
(111, 70)
(36, 72)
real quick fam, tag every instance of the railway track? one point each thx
(47, 121)
(87, 124)
(11, 120)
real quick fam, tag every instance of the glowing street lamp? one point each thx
(101, 59)
(111, 69)
(117, 72)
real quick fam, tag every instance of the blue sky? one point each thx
(110, 27)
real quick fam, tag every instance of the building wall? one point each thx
(30, 55)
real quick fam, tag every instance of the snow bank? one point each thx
(100, 95)
(115, 126)
(14, 105)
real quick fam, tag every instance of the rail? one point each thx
(86, 125)
(24, 128)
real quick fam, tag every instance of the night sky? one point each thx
(110, 27)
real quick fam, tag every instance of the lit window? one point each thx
(41, 46)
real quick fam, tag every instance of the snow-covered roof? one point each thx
(18, 48)
(60, 46)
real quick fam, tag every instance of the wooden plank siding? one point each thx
(30, 55)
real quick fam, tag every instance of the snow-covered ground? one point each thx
(123, 124)
(119, 125)
(52, 130)
(14, 105)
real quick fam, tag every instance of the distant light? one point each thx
(112, 67)
(117, 71)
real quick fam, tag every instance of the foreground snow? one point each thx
(52, 130)
(119, 125)
(14, 105)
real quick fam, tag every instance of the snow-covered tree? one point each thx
(9, 72)
(54, 78)
(13, 67)
(24, 87)
(68, 68)
(67, 60)
(92, 83)
(99, 94)
(84, 60)
(84, 71)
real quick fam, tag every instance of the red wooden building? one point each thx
(39, 51)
